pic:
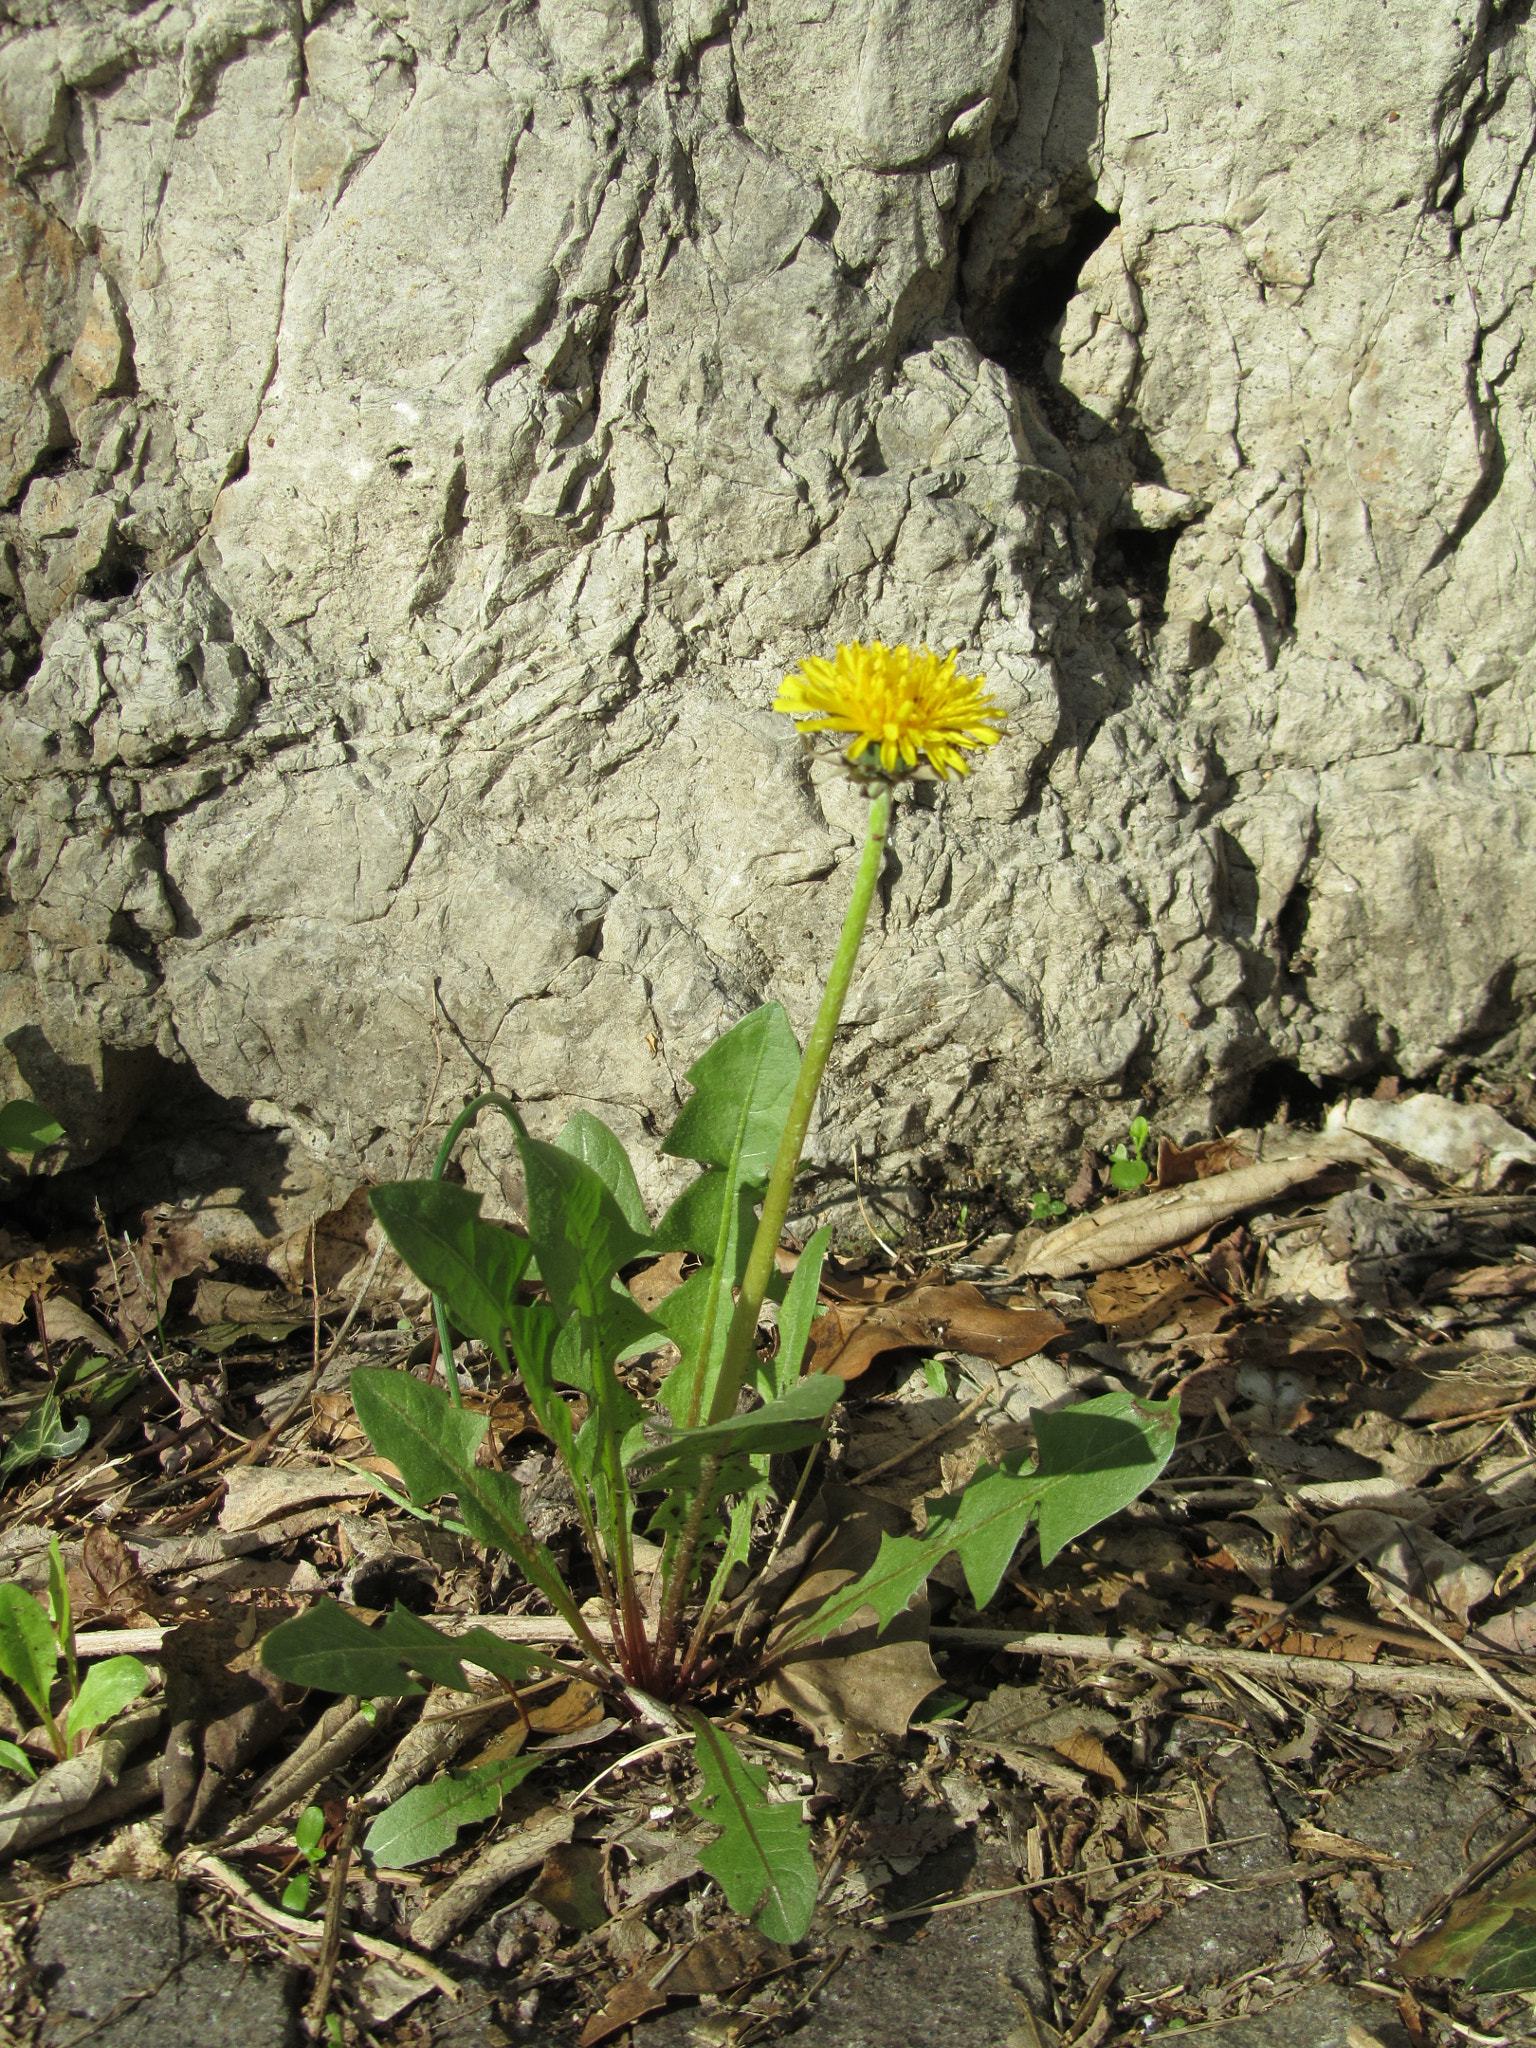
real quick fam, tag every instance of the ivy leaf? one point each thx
(425, 1821)
(43, 1438)
(1488, 1938)
(762, 1861)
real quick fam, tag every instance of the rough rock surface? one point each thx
(123, 1965)
(428, 429)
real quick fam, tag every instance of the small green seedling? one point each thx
(1044, 1205)
(309, 1833)
(1128, 1170)
(31, 1644)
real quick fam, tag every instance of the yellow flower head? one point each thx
(900, 702)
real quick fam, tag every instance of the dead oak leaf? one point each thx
(847, 1339)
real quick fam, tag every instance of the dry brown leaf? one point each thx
(1177, 1165)
(264, 1493)
(861, 1685)
(628, 2001)
(107, 1584)
(19, 1281)
(570, 1885)
(655, 1282)
(1089, 1754)
(1483, 1283)
(1128, 1231)
(340, 1243)
(226, 1301)
(1436, 1578)
(225, 1707)
(848, 1339)
(720, 1962)
(136, 1281)
(841, 1283)
(578, 1706)
(67, 1323)
(1134, 1301)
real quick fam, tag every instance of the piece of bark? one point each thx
(497, 1864)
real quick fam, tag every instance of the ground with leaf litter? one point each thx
(1252, 1760)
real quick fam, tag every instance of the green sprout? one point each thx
(1128, 1170)
(1044, 1205)
(309, 1834)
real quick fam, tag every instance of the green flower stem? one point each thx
(456, 1130)
(741, 1339)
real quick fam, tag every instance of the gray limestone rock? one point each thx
(428, 432)
(122, 1963)
(1217, 1935)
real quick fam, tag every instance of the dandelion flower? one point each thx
(901, 702)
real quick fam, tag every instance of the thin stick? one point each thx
(198, 1863)
(877, 1471)
(1045, 1884)
(1406, 1681)
(1474, 1664)
(330, 1946)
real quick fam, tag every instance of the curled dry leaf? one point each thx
(265, 1493)
(225, 1708)
(1436, 1578)
(628, 2001)
(107, 1584)
(1458, 1138)
(1178, 1164)
(1127, 1231)
(655, 1282)
(340, 1242)
(1133, 1301)
(19, 1281)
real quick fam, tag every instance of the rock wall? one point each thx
(429, 428)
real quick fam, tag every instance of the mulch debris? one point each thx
(1213, 1770)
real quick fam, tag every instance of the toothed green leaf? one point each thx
(425, 1822)
(762, 1861)
(1094, 1460)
